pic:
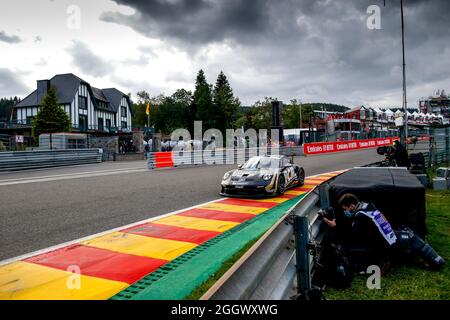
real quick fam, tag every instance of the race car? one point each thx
(263, 176)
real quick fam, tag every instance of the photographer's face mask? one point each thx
(349, 211)
(348, 214)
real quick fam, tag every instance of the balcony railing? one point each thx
(100, 129)
(16, 124)
(26, 124)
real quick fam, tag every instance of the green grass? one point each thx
(412, 282)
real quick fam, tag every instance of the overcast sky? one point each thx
(313, 50)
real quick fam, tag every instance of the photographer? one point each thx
(369, 239)
(364, 232)
(400, 154)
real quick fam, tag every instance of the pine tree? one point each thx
(51, 118)
(203, 104)
(226, 104)
(6, 107)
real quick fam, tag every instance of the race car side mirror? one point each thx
(382, 151)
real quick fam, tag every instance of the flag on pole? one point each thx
(148, 109)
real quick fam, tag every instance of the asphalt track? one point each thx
(44, 208)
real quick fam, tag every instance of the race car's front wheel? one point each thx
(281, 186)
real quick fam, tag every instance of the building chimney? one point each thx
(42, 89)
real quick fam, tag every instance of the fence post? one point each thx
(302, 254)
(431, 147)
(447, 145)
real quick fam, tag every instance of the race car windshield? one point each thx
(261, 163)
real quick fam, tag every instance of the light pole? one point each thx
(301, 119)
(405, 101)
(404, 135)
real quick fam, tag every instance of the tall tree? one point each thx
(172, 113)
(51, 118)
(259, 116)
(140, 118)
(291, 115)
(6, 107)
(143, 97)
(203, 103)
(226, 104)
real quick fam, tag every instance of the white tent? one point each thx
(378, 111)
(389, 113)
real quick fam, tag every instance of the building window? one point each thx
(82, 103)
(108, 124)
(124, 112)
(100, 124)
(29, 120)
(124, 125)
(83, 123)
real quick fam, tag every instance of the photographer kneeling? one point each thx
(364, 232)
(367, 237)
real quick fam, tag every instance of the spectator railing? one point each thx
(24, 160)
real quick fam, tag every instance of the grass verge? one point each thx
(412, 282)
(203, 288)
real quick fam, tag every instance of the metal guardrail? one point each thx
(268, 271)
(23, 160)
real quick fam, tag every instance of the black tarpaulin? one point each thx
(398, 194)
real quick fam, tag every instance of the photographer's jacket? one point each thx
(370, 228)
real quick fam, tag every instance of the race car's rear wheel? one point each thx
(281, 186)
(300, 178)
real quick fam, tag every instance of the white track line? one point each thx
(69, 176)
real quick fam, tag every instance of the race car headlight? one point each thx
(226, 176)
(267, 177)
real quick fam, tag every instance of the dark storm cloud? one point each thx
(87, 61)
(194, 21)
(318, 49)
(11, 83)
(9, 39)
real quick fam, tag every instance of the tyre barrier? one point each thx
(158, 160)
(25, 160)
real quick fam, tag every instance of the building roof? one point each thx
(98, 94)
(67, 85)
(114, 97)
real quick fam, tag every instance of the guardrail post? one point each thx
(302, 254)
(324, 195)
